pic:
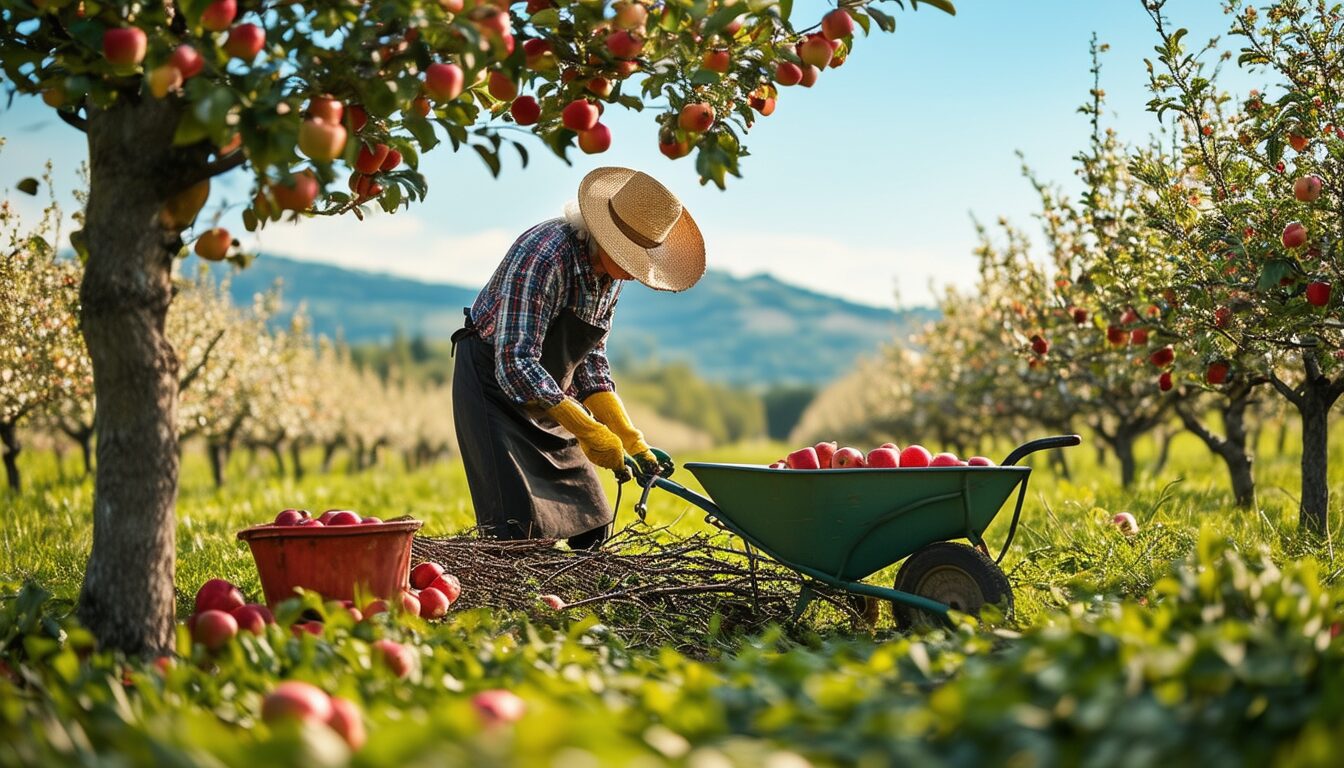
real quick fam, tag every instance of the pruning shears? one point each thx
(645, 474)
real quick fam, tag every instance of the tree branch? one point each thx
(73, 120)
(1289, 394)
(221, 165)
(199, 366)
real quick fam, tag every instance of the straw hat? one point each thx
(643, 228)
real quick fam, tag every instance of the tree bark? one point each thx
(10, 437)
(127, 600)
(1314, 409)
(1233, 447)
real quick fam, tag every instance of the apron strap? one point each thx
(468, 328)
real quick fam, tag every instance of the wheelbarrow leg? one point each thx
(805, 598)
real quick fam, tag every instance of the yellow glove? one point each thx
(597, 442)
(608, 409)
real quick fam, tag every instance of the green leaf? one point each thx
(546, 19)
(491, 159)
(785, 10)
(943, 5)
(1273, 273)
(522, 152)
(862, 20)
(705, 77)
(884, 22)
(422, 130)
(27, 186)
(721, 19)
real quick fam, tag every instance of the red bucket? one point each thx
(334, 561)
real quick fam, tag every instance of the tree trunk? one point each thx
(296, 458)
(328, 454)
(1164, 438)
(10, 437)
(219, 457)
(1234, 447)
(127, 600)
(85, 441)
(1314, 409)
(279, 458)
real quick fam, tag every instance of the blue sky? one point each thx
(862, 187)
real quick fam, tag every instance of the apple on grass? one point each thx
(916, 456)
(554, 602)
(410, 603)
(433, 603)
(498, 706)
(347, 721)
(214, 629)
(294, 700)
(398, 658)
(847, 458)
(1126, 523)
(218, 595)
(448, 584)
(253, 618)
(424, 574)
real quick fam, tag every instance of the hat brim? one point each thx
(674, 265)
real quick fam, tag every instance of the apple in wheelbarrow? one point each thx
(915, 456)
(883, 458)
(945, 460)
(803, 458)
(826, 453)
(847, 458)
(979, 461)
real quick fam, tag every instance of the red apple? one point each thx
(624, 44)
(674, 150)
(945, 460)
(376, 607)
(321, 140)
(1217, 372)
(347, 721)
(448, 584)
(218, 595)
(218, 15)
(525, 110)
(213, 244)
(916, 456)
(803, 458)
(788, 73)
(370, 159)
(595, 140)
(325, 517)
(433, 603)
(1164, 381)
(1116, 335)
(326, 108)
(187, 60)
(630, 16)
(214, 629)
(579, 115)
(696, 117)
(1138, 337)
(892, 446)
(1222, 317)
(424, 574)
(1079, 315)
(1297, 142)
(979, 461)
(1162, 357)
(815, 50)
(1040, 345)
(554, 602)
(837, 24)
(825, 453)
(312, 522)
(763, 104)
(296, 193)
(399, 659)
(253, 618)
(717, 60)
(410, 603)
(245, 41)
(497, 707)
(1294, 235)
(344, 517)
(600, 87)
(884, 458)
(1318, 294)
(778, 465)
(358, 117)
(1126, 523)
(296, 700)
(298, 628)
(847, 458)
(1308, 188)
(810, 75)
(288, 517)
(124, 46)
(500, 86)
(1130, 317)
(443, 82)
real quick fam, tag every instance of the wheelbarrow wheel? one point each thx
(955, 575)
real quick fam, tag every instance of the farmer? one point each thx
(533, 398)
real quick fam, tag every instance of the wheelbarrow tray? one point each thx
(851, 523)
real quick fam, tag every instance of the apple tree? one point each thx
(1251, 198)
(173, 94)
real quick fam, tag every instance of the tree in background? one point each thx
(1251, 199)
(173, 94)
(41, 353)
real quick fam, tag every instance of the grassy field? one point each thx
(1208, 635)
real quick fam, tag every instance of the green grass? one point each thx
(1203, 637)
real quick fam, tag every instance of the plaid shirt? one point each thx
(547, 270)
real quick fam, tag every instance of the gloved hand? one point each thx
(598, 443)
(608, 409)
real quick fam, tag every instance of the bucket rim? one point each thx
(272, 531)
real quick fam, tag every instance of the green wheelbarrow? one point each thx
(840, 526)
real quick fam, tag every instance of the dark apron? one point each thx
(527, 475)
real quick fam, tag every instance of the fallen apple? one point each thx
(554, 602)
(410, 603)
(347, 721)
(294, 700)
(1126, 523)
(433, 603)
(399, 659)
(218, 595)
(253, 618)
(497, 707)
(424, 574)
(448, 584)
(214, 629)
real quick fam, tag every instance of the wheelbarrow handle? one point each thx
(1042, 444)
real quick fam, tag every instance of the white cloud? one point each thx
(403, 244)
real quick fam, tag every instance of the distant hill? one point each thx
(754, 330)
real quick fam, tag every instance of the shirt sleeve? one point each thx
(527, 301)
(593, 374)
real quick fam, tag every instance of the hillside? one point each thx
(754, 330)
